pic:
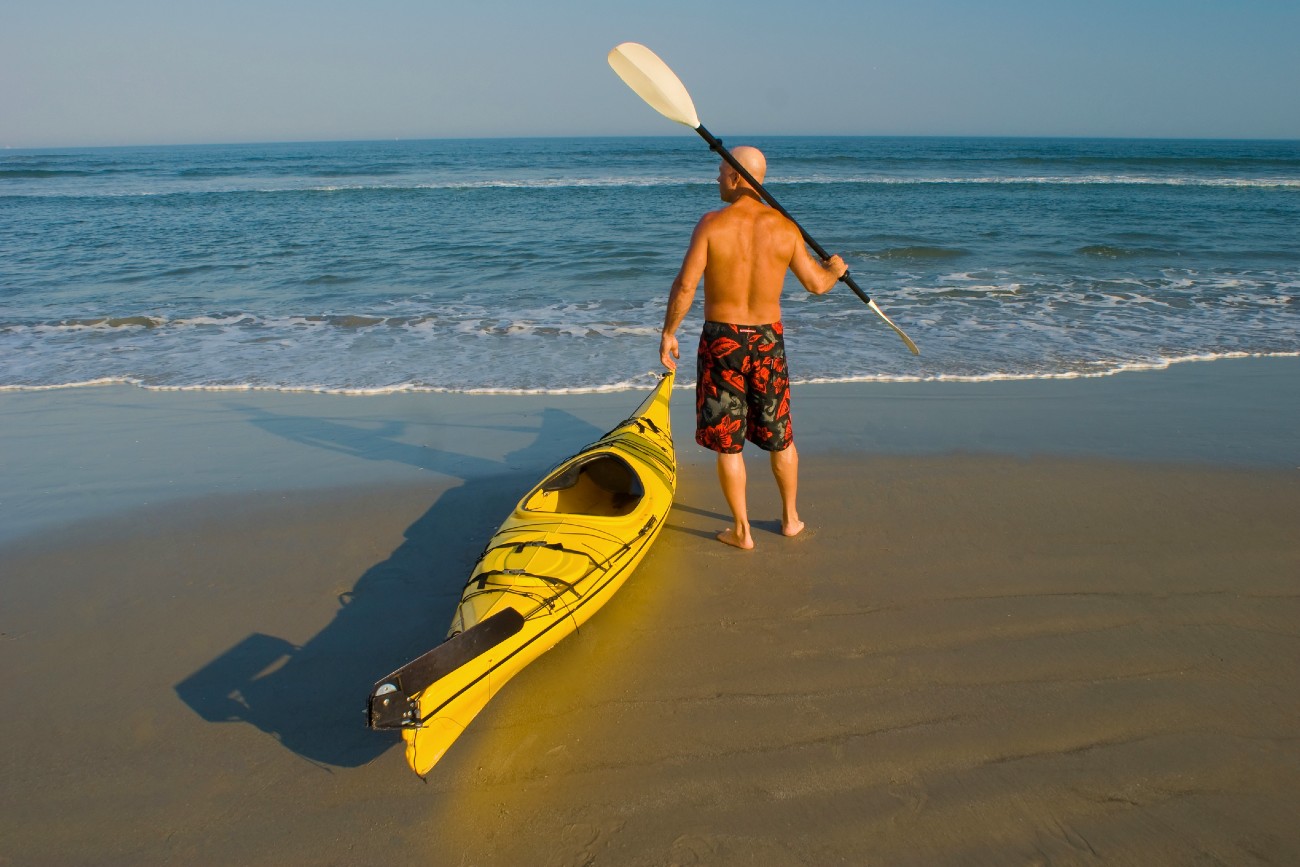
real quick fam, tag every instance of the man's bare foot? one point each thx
(729, 536)
(792, 528)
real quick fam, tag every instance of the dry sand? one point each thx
(967, 659)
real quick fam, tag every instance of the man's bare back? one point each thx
(750, 247)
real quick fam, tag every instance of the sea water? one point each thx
(543, 265)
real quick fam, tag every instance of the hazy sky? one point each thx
(183, 71)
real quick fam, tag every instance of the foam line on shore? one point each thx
(1102, 369)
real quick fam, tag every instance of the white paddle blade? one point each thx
(643, 71)
(907, 340)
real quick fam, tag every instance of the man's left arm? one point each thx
(682, 295)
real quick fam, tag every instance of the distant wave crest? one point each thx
(370, 185)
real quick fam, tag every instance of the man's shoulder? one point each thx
(713, 216)
(711, 221)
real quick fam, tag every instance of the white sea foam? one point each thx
(988, 330)
(1103, 369)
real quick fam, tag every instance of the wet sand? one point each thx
(1075, 643)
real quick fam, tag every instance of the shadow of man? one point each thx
(312, 697)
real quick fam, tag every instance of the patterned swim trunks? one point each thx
(742, 389)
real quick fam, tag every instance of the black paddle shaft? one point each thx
(715, 144)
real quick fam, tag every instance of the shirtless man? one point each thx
(742, 252)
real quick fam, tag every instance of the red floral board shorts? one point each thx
(742, 389)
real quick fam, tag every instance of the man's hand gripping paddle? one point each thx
(643, 71)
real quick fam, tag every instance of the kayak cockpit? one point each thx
(603, 485)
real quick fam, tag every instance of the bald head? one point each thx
(753, 161)
(731, 185)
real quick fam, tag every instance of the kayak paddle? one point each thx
(643, 71)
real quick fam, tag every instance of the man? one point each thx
(742, 252)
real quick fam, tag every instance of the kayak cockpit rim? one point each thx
(597, 484)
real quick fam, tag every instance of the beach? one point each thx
(1043, 621)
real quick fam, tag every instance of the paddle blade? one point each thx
(906, 340)
(643, 71)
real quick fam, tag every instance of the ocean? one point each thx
(543, 265)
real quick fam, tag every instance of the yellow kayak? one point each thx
(566, 548)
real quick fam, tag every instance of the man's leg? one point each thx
(785, 466)
(731, 474)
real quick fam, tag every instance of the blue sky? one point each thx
(155, 72)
